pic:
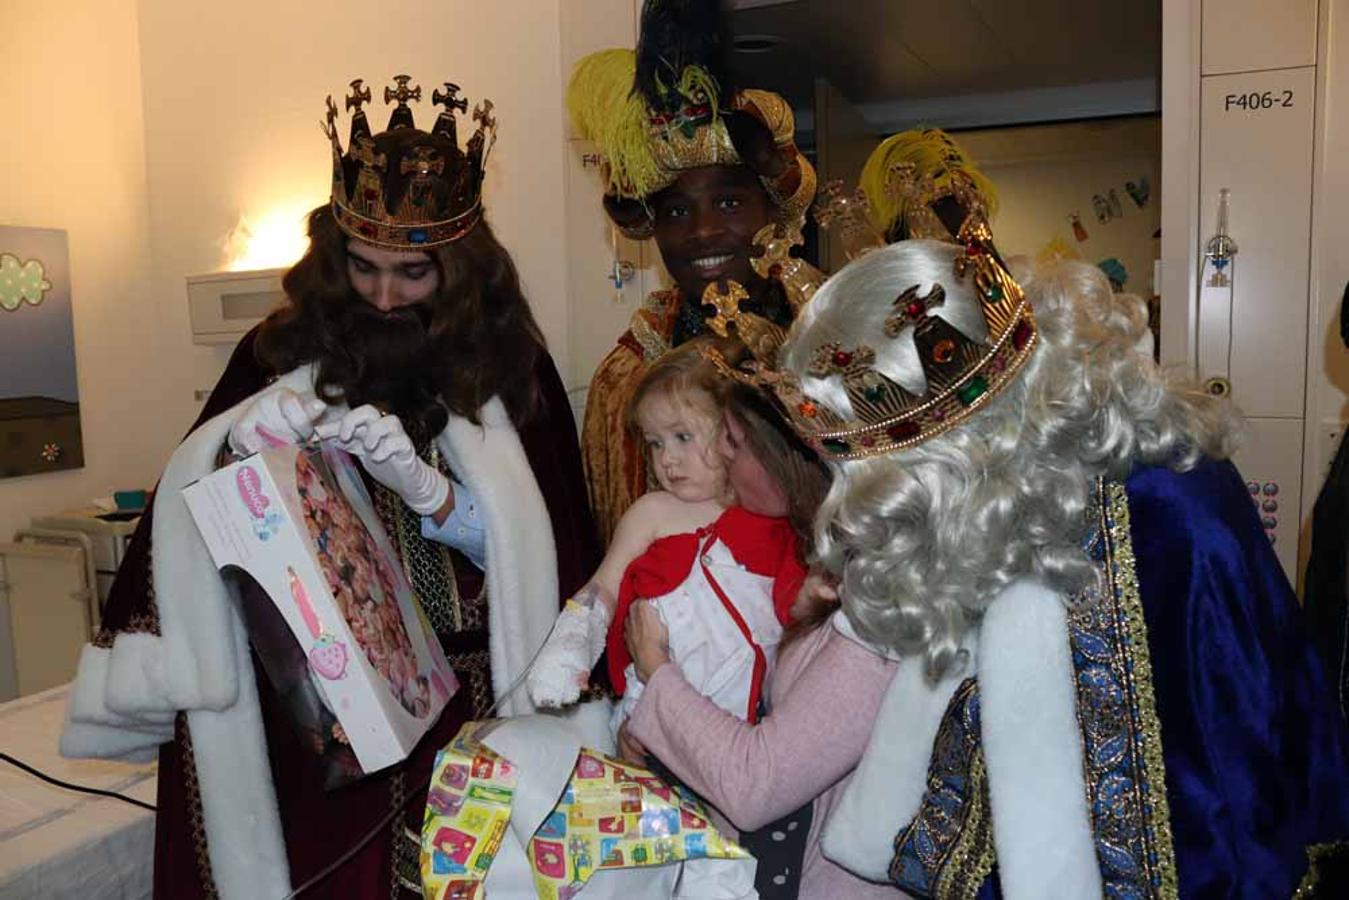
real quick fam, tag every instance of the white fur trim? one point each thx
(238, 800)
(199, 663)
(124, 700)
(521, 580)
(91, 729)
(887, 787)
(1033, 749)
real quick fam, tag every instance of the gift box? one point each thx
(611, 816)
(300, 523)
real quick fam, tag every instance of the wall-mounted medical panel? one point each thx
(1251, 35)
(1272, 470)
(1256, 141)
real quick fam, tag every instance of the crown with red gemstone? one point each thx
(404, 188)
(962, 371)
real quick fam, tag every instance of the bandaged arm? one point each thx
(578, 637)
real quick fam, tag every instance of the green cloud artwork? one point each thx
(19, 284)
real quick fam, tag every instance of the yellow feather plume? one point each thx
(605, 111)
(933, 152)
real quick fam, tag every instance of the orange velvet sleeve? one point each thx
(615, 464)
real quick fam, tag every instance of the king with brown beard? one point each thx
(405, 338)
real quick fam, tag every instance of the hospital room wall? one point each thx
(233, 99)
(148, 129)
(73, 158)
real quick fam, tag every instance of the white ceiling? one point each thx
(902, 59)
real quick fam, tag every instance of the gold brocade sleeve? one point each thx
(615, 467)
(615, 464)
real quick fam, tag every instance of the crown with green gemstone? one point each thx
(962, 371)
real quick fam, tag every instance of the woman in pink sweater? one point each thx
(823, 697)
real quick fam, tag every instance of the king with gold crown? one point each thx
(1103, 684)
(405, 340)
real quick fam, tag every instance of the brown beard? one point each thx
(390, 360)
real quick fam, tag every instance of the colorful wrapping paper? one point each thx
(612, 815)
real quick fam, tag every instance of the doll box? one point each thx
(300, 522)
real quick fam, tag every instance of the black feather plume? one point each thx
(676, 34)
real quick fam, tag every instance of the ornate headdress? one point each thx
(921, 184)
(403, 188)
(668, 107)
(940, 348)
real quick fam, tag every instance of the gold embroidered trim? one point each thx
(972, 857)
(1122, 569)
(947, 851)
(1310, 885)
(397, 834)
(652, 343)
(197, 818)
(143, 622)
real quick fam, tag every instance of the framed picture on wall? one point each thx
(39, 391)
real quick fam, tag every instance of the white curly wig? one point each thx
(923, 539)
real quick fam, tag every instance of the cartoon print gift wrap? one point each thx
(611, 815)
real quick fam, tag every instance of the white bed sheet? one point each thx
(56, 843)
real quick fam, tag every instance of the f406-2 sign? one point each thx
(1254, 101)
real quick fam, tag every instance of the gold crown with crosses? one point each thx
(962, 371)
(403, 188)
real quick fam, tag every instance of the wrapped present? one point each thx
(299, 522)
(612, 815)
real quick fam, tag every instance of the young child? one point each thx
(722, 578)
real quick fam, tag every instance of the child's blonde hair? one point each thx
(680, 376)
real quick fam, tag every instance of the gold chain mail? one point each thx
(426, 563)
(429, 567)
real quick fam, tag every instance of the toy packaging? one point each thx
(611, 816)
(299, 522)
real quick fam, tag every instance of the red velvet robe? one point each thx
(321, 825)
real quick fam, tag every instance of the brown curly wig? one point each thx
(476, 338)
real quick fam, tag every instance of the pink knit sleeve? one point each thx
(754, 774)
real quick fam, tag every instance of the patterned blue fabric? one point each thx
(1253, 751)
(1121, 742)
(939, 853)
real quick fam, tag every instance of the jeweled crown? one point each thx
(962, 367)
(404, 188)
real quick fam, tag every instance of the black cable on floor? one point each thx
(342, 860)
(74, 787)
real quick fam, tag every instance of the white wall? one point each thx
(1044, 173)
(599, 310)
(211, 112)
(233, 97)
(146, 129)
(73, 158)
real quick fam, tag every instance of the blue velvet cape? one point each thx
(1228, 709)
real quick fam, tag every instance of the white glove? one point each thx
(385, 450)
(562, 668)
(275, 419)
